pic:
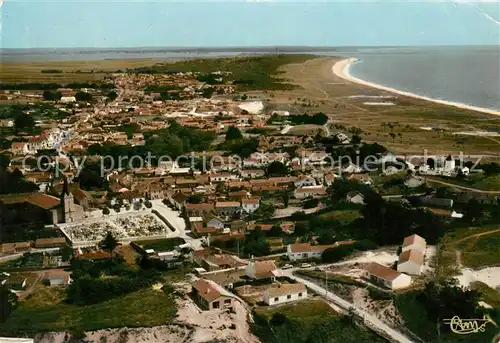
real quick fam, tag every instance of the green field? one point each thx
(477, 248)
(45, 310)
(488, 294)
(477, 181)
(309, 321)
(345, 216)
(481, 251)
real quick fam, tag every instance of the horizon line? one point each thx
(236, 47)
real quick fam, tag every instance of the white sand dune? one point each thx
(489, 276)
(341, 69)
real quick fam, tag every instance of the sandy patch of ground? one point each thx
(489, 276)
(163, 334)
(478, 133)
(253, 107)
(222, 325)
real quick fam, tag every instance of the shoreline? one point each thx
(341, 69)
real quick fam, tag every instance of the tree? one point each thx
(8, 302)
(356, 139)
(83, 96)
(473, 210)
(208, 92)
(265, 210)
(148, 204)
(109, 242)
(276, 231)
(195, 199)
(286, 198)
(112, 96)
(105, 211)
(337, 253)
(22, 121)
(256, 244)
(66, 252)
(310, 203)
(233, 133)
(393, 136)
(51, 96)
(277, 168)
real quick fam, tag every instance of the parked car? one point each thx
(287, 266)
(305, 265)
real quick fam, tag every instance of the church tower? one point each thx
(68, 203)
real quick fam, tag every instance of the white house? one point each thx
(68, 99)
(355, 198)
(387, 277)
(411, 262)
(449, 164)
(252, 173)
(250, 205)
(168, 255)
(343, 138)
(351, 168)
(58, 278)
(216, 223)
(302, 251)
(260, 270)
(283, 293)
(309, 191)
(222, 177)
(414, 242)
(305, 181)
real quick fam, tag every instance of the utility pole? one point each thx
(326, 283)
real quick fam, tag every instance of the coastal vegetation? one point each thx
(424, 312)
(246, 73)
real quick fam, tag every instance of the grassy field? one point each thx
(45, 310)
(344, 216)
(480, 251)
(16, 72)
(306, 310)
(477, 181)
(308, 321)
(477, 249)
(488, 294)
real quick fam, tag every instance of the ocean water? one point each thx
(468, 75)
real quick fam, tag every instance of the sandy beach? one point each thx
(341, 69)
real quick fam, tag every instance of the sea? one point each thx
(467, 74)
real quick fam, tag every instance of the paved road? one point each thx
(369, 320)
(462, 187)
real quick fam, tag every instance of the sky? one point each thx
(204, 23)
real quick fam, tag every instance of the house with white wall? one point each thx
(305, 181)
(283, 293)
(414, 242)
(261, 270)
(411, 262)
(250, 205)
(303, 251)
(309, 191)
(384, 276)
(355, 197)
